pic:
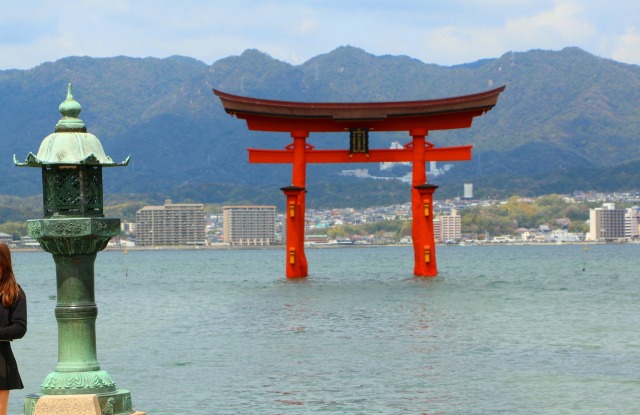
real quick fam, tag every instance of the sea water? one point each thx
(502, 330)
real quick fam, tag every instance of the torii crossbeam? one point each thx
(417, 117)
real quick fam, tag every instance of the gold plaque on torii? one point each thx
(359, 140)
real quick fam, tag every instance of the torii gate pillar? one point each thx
(424, 243)
(296, 261)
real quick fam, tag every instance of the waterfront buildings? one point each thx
(170, 224)
(319, 222)
(249, 225)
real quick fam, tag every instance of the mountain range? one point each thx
(568, 120)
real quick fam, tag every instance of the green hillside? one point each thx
(567, 121)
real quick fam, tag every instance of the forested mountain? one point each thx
(567, 121)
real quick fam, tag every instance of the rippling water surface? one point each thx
(508, 329)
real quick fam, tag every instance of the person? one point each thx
(13, 325)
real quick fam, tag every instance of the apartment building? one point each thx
(449, 227)
(607, 223)
(170, 224)
(632, 222)
(249, 225)
(437, 229)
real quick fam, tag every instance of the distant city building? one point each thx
(632, 222)
(170, 224)
(128, 227)
(437, 229)
(606, 223)
(249, 225)
(6, 238)
(450, 227)
(468, 191)
(359, 173)
(29, 242)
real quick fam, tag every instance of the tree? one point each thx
(15, 229)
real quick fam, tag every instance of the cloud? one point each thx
(564, 24)
(627, 47)
(451, 32)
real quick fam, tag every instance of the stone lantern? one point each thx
(74, 230)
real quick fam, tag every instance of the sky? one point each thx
(444, 32)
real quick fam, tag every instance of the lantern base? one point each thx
(78, 382)
(112, 403)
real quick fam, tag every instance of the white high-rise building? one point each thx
(468, 191)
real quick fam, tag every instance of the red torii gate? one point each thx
(417, 117)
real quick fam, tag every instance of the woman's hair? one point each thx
(8, 285)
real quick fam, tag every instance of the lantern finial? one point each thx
(70, 109)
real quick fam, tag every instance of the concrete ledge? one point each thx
(68, 404)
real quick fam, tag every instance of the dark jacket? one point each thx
(13, 320)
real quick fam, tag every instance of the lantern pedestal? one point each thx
(74, 244)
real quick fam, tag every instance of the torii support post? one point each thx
(424, 243)
(424, 246)
(296, 260)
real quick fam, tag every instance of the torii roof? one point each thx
(287, 116)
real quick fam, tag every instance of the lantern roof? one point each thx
(70, 144)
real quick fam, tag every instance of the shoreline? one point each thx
(323, 246)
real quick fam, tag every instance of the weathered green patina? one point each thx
(74, 230)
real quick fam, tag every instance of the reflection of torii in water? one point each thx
(417, 117)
